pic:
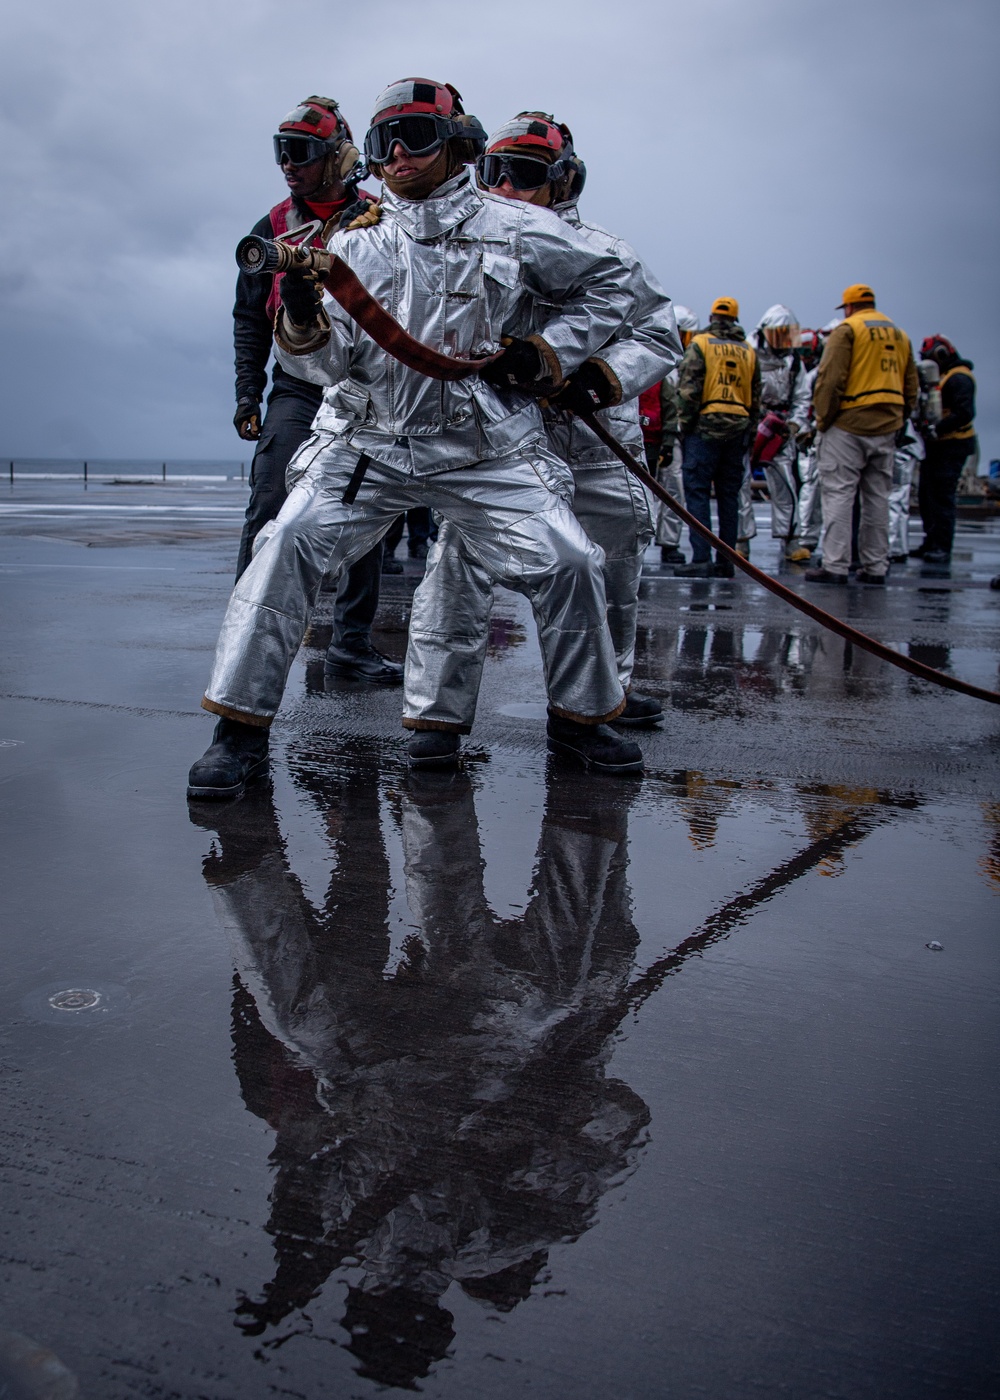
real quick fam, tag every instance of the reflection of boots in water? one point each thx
(450, 1122)
(397, 1336)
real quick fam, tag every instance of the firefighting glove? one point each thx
(520, 366)
(902, 434)
(247, 419)
(364, 213)
(301, 297)
(586, 390)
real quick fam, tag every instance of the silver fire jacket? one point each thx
(783, 388)
(644, 348)
(457, 271)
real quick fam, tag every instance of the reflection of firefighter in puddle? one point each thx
(990, 862)
(705, 800)
(829, 807)
(451, 1122)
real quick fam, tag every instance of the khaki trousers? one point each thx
(849, 463)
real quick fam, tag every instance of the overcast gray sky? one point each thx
(772, 150)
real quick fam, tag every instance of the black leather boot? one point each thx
(365, 664)
(640, 712)
(433, 748)
(238, 752)
(594, 745)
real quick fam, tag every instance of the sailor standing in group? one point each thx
(667, 466)
(719, 391)
(784, 405)
(866, 390)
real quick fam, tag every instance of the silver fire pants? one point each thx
(747, 527)
(780, 474)
(516, 524)
(810, 500)
(670, 527)
(899, 504)
(449, 622)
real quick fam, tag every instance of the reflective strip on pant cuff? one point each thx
(442, 725)
(587, 719)
(241, 716)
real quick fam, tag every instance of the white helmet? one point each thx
(780, 328)
(687, 323)
(831, 325)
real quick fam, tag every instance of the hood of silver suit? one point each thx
(451, 203)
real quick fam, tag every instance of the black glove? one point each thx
(301, 297)
(928, 431)
(585, 391)
(518, 367)
(247, 419)
(902, 435)
(355, 210)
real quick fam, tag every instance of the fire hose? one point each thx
(259, 255)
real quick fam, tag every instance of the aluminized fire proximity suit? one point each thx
(810, 522)
(903, 463)
(449, 623)
(786, 389)
(458, 271)
(670, 527)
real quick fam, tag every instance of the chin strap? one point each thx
(825, 619)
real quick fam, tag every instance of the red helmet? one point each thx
(534, 140)
(936, 347)
(313, 129)
(421, 115)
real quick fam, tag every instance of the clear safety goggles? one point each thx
(523, 172)
(783, 337)
(299, 150)
(418, 135)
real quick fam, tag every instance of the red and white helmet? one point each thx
(420, 115)
(312, 130)
(538, 150)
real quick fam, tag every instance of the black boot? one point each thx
(704, 568)
(640, 712)
(238, 752)
(433, 748)
(363, 664)
(593, 745)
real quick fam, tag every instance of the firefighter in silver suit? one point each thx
(457, 270)
(785, 396)
(909, 452)
(810, 525)
(670, 527)
(531, 160)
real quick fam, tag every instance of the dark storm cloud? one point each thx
(771, 151)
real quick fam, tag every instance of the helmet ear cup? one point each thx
(579, 178)
(469, 145)
(347, 158)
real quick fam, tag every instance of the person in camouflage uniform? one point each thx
(716, 436)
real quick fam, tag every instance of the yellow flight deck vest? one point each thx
(969, 430)
(878, 361)
(729, 367)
